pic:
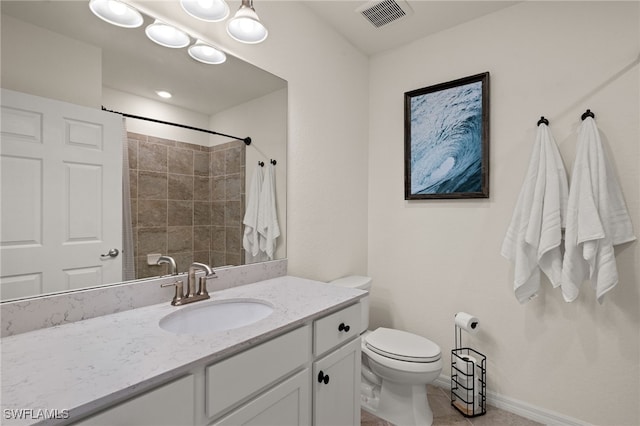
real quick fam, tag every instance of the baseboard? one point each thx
(520, 408)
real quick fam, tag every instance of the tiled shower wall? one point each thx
(187, 201)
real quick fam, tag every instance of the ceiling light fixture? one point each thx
(116, 12)
(245, 26)
(204, 53)
(166, 35)
(206, 10)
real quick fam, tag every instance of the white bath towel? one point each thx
(534, 237)
(251, 237)
(597, 219)
(267, 213)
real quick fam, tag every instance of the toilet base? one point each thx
(401, 404)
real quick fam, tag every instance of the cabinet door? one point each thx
(288, 404)
(336, 387)
(170, 405)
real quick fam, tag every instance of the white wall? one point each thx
(431, 259)
(265, 120)
(44, 63)
(116, 100)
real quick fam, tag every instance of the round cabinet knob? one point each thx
(323, 378)
(343, 327)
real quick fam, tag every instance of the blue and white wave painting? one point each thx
(446, 141)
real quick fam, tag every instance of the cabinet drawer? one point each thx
(328, 332)
(171, 404)
(231, 381)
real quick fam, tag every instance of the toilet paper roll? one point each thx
(470, 384)
(467, 322)
(466, 369)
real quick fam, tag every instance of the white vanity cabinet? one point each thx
(325, 393)
(336, 368)
(308, 376)
(336, 387)
(263, 373)
(168, 405)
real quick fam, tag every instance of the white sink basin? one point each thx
(217, 315)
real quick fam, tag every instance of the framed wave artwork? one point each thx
(446, 134)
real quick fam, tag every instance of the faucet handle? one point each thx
(179, 295)
(202, 287)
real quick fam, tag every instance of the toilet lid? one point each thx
(401, 345)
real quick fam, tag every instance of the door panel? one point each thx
(61, 196)
(288, 404)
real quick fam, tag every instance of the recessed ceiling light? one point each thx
(163, 94)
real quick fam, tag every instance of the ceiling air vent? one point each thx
(384, 12)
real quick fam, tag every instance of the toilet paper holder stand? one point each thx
(468, 379)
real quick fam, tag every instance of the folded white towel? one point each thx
(533, 239)
(597, 219)
(251, 237)
(267, 214)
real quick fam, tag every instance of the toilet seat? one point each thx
(402, 346)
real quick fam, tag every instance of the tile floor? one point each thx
(445, 415)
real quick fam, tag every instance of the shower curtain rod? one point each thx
(246, 140)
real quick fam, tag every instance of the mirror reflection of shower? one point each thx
(187, 202)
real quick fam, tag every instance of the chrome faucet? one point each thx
(191, 281)
(173, 269)
(191, 295)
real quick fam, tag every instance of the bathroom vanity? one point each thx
(298, 366)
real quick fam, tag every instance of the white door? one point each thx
(61, 196)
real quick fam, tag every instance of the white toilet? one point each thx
(396, 368)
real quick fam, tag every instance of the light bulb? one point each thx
(116, 12)
(206, 10)
(245, 26)
(118, 8)
(166, 35)
(206, 54)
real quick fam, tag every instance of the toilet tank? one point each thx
(362, 283)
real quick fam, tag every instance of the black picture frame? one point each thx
(446, 133)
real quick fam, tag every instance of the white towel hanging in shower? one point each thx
(597, 219)
(534, 235)
(251, 237)
(267, 213)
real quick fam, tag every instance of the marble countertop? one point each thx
(76, 368)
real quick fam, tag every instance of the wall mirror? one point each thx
(188, 189)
